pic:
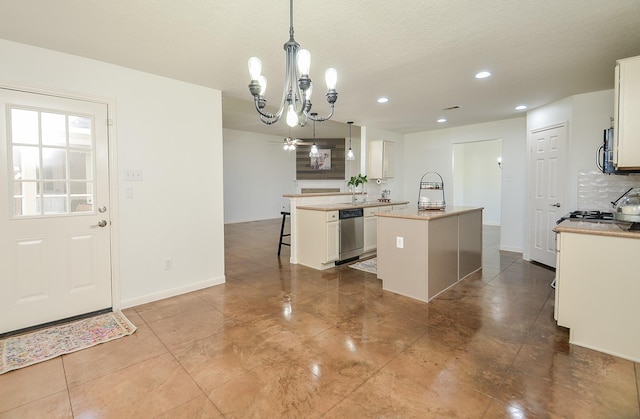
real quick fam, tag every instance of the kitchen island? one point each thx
(317, 231)
(598, 286)
(422, 253)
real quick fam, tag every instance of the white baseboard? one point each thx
(144, 299)
(511, 249)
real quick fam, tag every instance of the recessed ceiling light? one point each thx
(521, 107)
(442, 120)
(383, 99)
(483, 75)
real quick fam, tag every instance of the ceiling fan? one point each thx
(291, 143)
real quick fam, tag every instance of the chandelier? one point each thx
(296, 95)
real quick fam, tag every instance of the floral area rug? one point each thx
(369, 265)
(41, 345)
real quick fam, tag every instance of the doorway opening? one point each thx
(477, 178)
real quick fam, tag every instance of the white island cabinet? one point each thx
(598, 286)
(422, 253)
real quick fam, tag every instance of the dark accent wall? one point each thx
(304, 169)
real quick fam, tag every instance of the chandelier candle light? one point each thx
(296, 95)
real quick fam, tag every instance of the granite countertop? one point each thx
(414, 214)
(598, 228)
(336, 206)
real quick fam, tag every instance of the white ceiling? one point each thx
(421, 54)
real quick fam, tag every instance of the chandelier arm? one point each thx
(264, 116)
(320, 118)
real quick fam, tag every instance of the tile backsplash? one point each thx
(596, 190)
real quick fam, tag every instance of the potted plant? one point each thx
(354, 182)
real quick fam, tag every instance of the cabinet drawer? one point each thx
(370, 211)
(387, 208)
(332, 215)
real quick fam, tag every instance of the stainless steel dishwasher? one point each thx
(351, 234)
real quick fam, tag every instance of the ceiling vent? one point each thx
(450, 108)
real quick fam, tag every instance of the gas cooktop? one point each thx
(587, 216)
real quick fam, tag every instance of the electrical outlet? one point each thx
(400, 242)
(168, 264)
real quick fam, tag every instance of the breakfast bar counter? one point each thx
(422, 253)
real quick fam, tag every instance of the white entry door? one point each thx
(546, 188)
(54, 209)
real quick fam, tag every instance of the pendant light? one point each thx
(314, 147)
(350, 155)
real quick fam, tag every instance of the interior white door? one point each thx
(546, 189)
(54, 209)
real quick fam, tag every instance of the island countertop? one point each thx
(415, 214)
(347, 205)
(613, 229)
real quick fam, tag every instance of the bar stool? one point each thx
(284, 218)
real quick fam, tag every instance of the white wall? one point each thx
(478, 178)
(257, 172)
(172, 131)
(433, 151)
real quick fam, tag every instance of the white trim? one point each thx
(511, 249)
(172, 292)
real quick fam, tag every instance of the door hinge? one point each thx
(109, 122)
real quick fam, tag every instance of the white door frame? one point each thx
(113, 174)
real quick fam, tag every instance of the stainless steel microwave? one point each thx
(605, 156)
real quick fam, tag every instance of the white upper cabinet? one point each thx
(380, 159)
(626, 152)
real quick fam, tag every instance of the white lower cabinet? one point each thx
(333, 241)
(597, 290)
(370, 229)
(318, 236)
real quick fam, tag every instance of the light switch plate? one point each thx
(133, 175)
(400, 242)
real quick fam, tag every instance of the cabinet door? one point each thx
(381, 157)
(370, 233)
(333, 241)
(388, 156)
(626, 153)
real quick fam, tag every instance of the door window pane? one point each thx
(80, 165)
(54, 163)
(81, 188)
(54, 129)
(54, 188)
(24, 127)
(26, 163)
(80, 131)
(54, 205)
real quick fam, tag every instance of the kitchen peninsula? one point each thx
(422, 253)
(597, 286)
(315, 225)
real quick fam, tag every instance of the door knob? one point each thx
(557, 204)
(102, 223)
